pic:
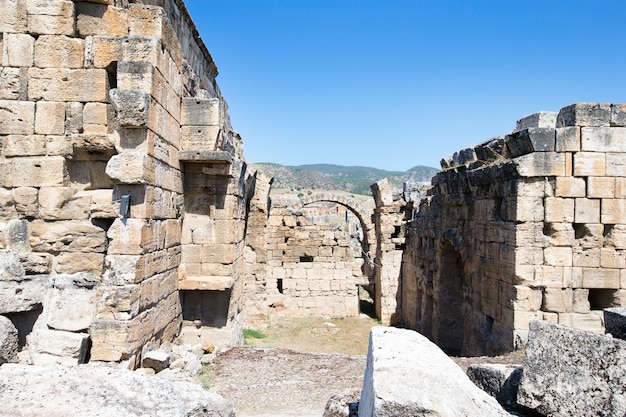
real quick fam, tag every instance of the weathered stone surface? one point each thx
(8, 341)
(70, 302)
(572, 372)
(406, 374)
(499, 381)
(156, 360)
(25, 293)
(342, 405)
(131, 107)
(89, 390)
(615, 322)
(55, 347)
(10, 265)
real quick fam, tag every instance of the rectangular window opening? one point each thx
(306, 258)
(279, 285)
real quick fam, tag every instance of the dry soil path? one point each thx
(272, 382)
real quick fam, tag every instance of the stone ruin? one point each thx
(124, 192)
(129, 215)
(527, 226)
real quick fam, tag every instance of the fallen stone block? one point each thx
(156, 360)
(615, 322)
(570, 372)
(53, 347)
(408, 375)
(8, 341)
(101, 390)
(71, 302)
(499, 381)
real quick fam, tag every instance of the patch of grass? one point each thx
(207, 377)
(250, 335)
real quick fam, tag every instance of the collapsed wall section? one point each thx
(527, 226)
(110, 121)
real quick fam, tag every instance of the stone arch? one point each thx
(362, 213)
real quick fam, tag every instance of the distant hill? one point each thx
(354, 179)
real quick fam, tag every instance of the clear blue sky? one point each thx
(397, 83)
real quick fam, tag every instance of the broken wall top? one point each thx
(542, 144)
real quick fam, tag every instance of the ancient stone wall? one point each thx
(315, 258)
(122, 181)
(526, 226)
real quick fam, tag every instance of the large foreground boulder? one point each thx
(570, 372)
(407, 375)
(91, 390)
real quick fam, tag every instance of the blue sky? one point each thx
(397, 83)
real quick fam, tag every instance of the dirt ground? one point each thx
(300, 364)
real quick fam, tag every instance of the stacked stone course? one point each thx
(527, 226)
(119, 166)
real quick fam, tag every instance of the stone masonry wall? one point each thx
(112, 125)
(527, 226)
(315, 260)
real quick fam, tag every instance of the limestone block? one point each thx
(101, 51)
(540, 164)
(557, 300)
(558, 256)
(70, 302)
(19, 49)
(74, 262)
(126, 237)
(600, 278)
(61, 84)
(139, 75)
(570, 187)
(585, 376)
(600, 187)
(9, 83)
(544, 119)
(616, 237)
(559, 210)
(587, 210)
(534, 139)
(603, 139)
(88, 389)
(499, 381)
(53, 347)
(527, 299)
(611, 258)
(130, 168)
(581, 301)
(24, 145)
(144, 20)
(156, 360)
(568, 139)
(50, 18)
(122, 270)
(79, 236)
(131, 107)
(613, 211)
(23, 294)
(528, 209)
(17, 235)
(50, 118)
(26, 200)
(17, 117)
(408, 375)
(615, 322)
(589, 164)
(36, 263)
(13, 17)
(59, 52)
(618, 115)
(199, 137)
(99, 19)
(201, 112)
(615, 165)
(584, 114)
(118, 302)
(95, 118)
(73, 118)
(10, 266)
(39, 172)
(8, 341)
(587, 257)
